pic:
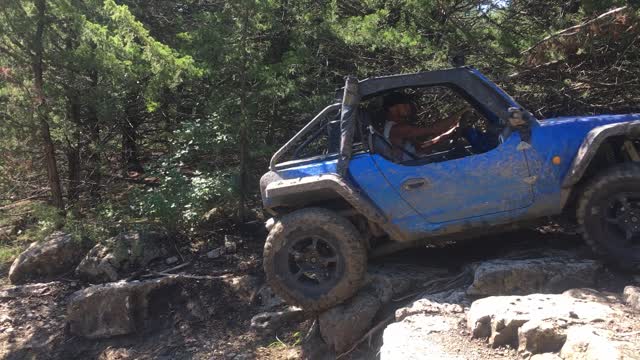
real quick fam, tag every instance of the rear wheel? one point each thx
(609, 215)
(314, 258)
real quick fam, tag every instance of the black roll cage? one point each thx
(483, 94)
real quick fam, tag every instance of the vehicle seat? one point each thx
(379, 145)
(375, 141)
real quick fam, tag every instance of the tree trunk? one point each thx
(130, 156)
(244, 124)
(73, 148)
(41, 107)
(73, 159)
(95, 171)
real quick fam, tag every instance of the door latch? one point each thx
(413, 184)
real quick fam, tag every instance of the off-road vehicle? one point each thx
(338, 196)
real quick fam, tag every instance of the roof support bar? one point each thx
(350, 102)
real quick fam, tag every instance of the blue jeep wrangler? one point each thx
(338, 196)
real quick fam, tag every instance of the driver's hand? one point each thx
(466, 118)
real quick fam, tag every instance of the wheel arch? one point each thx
(600, 149)
(329, 191)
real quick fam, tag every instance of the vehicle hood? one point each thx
(588, 122)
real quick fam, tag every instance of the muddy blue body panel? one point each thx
(513, 182)
(507, 184)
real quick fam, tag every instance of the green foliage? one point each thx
(199, 93)
(180, 201)
(43, 220)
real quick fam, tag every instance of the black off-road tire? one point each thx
(592, 211)
(335, 229)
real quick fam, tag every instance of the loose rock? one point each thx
(274, 320)
(111, 260)
(426, 306)
(632, 296)
(244, 286)
(216, 253)
(56, 255)
(522, 277)
(539, 336)
(267, 299)
(545, 356)
(103, 311)
(231, 243)
(345, 323)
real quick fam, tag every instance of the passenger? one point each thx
(399, 131)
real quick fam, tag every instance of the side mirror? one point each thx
(518, 123)
(516, 118)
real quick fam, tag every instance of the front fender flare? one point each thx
(284, 188)
(592, 143)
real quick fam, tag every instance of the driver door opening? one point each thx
(477, 133)
(456, 179)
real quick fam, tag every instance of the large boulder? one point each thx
(500, 318)
(103, 311)
(553, 274)
(580, 324)
(420, 328)
(589, 343)
(113, 258)
(56, 255)
(346, 323)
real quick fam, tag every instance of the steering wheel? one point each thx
(460, 143)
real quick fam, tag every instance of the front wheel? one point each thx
(314, 258)
(609, 215)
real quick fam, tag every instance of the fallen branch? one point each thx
(216, 275)
(368, 335)
(576, 27)
(429, 287)
(438, 285)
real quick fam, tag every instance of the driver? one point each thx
(399, 131)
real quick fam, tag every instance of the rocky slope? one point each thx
(538, 298)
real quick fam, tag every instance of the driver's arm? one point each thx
(402, 132)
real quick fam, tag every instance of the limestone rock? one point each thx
(109, 261)
(538, 336)
(37, 289)
(244, 286)
(585, 343)
(500, 317)
(426, 306)
(267, 299)
(527, 276)
(345, 323)
(411, 339)
(56, 255)
(632, 296)
(349, 321)
(545, 356)
(103, 311)
(274, 320)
